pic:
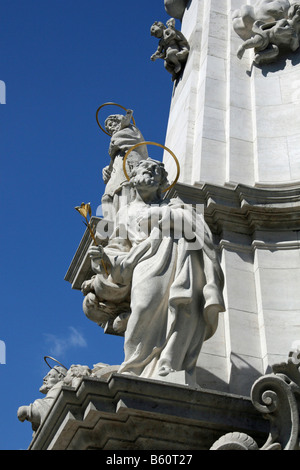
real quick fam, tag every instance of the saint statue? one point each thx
(161, 264)
(124, 135)
(36, 412)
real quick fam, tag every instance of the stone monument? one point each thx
(207, 300)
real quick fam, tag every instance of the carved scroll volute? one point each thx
(272, 396)
(235, 441)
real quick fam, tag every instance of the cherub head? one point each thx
(75, 373)
(113, 123)
(157, 29)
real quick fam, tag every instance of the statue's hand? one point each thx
(87, 286)
(106, 174)
(96, 252)
(23, 413)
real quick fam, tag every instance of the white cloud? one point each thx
(59, 345)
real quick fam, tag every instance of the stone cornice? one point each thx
(244, 209)
(134, 413)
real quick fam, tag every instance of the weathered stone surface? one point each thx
(126, 413)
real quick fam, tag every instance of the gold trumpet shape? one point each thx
(84, 209)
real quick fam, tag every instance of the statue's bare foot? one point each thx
(165, 370)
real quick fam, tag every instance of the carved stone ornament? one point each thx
(277, 397)
(57, 378)
(173, 47)
(268, 27)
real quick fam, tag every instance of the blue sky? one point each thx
(60, 60)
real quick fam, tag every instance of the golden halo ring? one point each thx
(55, 360)
(158, 145)
(109, 104)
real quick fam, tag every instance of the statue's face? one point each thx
(49, 380)
(156, 30)
(112, 125)
(148, 174)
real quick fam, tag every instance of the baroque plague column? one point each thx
(209, 306)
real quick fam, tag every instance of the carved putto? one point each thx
(268, 27)
(173, 47)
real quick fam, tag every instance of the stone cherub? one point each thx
(268, 38)
(267, 27)
(124, 135)
(173, 47)
(173, 289)
(266, 11)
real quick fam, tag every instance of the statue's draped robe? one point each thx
(40, 407)
(176, 291)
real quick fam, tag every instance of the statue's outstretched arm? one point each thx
(126, 119)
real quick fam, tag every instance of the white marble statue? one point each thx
(262, 10)
(36, 411)
(173, 47)
(124, 135)
(174, 286)
(56, 378)
(267, 27)
(75, 374)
